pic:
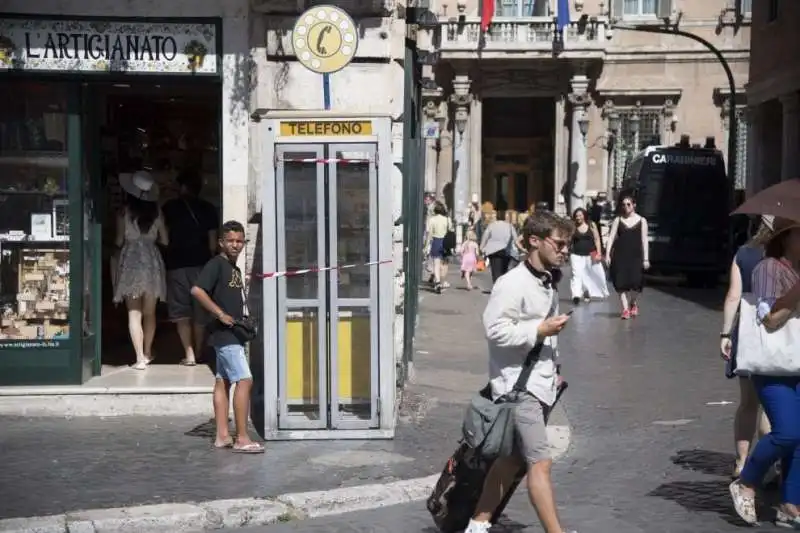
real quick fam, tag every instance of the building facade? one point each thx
(773, 94)
(531, 114)
(107, 88)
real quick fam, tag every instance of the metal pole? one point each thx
(733, 125)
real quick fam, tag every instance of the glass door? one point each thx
(353, 286)
(302, 299)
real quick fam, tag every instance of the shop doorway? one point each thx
(165, 129)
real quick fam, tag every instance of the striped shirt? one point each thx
(772, 278)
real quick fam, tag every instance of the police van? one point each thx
(684, 193)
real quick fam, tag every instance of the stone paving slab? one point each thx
(59, 465)
(651, 447)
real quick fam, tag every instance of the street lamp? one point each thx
(460, 120)
(613, 122)
(583, 123)
(634, 120)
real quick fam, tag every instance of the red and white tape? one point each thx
(323, 161)
(302, 271)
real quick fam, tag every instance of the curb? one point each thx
(219, 514)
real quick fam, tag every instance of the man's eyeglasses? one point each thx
(558, 244)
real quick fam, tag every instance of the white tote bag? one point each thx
(762, 352)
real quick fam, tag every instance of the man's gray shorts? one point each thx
(530, 427)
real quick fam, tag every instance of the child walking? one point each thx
(220, 290)
(469, 257)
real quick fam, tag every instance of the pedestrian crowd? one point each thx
(759, 341)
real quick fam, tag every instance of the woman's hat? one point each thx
(778, 225)
(140, 184)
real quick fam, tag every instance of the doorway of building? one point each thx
(164, 129)
(518, 168)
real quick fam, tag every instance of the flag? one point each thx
(562, 18)
(487, 13)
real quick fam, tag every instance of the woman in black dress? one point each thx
(628, 255)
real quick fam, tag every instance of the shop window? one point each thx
(34, 221)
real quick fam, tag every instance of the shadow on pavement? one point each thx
(703, 497)
(710, 298)
(713, 495)
(707, 462)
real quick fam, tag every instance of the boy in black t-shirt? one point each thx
(220, 290)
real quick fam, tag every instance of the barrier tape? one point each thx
(302, 271)
(323, 161)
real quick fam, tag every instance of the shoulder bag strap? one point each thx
(533, 355)
(191, 211)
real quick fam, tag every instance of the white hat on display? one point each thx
(140, 185)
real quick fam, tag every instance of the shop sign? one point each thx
(330, 128)
(108, 46)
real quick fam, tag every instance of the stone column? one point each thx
(431, 153)
(461, 99)
(790, 162)
(580, 100)
(560, 167)
(476, 148)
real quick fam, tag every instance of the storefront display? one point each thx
(34, 218)
(74, 118)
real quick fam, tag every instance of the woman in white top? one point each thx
(435, 232)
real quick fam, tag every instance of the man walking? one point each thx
(522, 310)
(192, 224)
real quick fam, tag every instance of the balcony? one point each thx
(521, 36)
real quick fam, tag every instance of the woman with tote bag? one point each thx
(768, 352)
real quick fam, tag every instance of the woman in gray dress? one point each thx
(140, 276)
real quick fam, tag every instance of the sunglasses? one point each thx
(558, 244)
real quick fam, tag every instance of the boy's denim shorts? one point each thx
(232, 364)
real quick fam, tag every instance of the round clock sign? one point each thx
(325, 39)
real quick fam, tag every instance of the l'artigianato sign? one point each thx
(108, 46)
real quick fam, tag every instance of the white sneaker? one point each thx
(478, 527)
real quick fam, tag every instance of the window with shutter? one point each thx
(355, 7)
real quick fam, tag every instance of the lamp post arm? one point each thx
(732, 123)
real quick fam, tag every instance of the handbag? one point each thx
(488, 425)
(245, 329)
(480, 266)
(762, 352)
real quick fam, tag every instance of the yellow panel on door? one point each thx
(302, 358)
(355, 346)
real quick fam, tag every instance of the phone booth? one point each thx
(329, 364)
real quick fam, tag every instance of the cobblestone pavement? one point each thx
(650, 445)
(55, 465)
